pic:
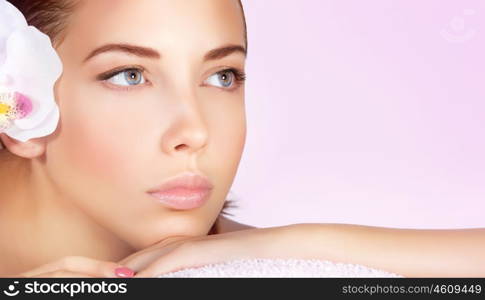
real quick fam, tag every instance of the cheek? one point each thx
(230, 135)
(93, 147)
(227, 148)
(90, 145)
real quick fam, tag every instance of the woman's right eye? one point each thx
(127, 77)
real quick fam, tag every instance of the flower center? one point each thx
(4, 108)
(24, 105)
(13, 106)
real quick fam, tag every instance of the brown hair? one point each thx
(51, 17)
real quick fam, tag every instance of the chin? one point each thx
(175, 224)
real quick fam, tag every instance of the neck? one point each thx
(39, 226)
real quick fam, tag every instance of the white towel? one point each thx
(259, 267)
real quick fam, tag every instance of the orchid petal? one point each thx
(11, 19)
(47, 127)
(34, 77)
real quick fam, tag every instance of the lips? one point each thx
(185, 191)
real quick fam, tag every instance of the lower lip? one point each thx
(182, 198)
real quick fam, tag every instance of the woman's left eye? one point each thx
(127, 77)
(227, 78)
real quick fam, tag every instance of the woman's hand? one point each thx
(183, 252)
(77, 266)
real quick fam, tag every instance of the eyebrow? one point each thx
(145, 52)
(224, 51)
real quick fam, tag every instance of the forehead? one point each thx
(167, 25)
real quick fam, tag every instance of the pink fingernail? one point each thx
(124, 272)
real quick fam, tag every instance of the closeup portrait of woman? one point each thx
(140, 128)
(138, 106)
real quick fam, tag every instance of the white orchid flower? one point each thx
(29, 68)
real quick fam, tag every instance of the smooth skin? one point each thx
(74, 204)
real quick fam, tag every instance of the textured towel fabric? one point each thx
(259, 267)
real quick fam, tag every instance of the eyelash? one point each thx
(239, 76)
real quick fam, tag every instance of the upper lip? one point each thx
(187, 180)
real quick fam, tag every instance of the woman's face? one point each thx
(170, 111)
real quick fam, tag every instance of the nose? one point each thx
(188, 132)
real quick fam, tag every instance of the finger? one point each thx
(165, 264)
(77, 264)
(62, 274)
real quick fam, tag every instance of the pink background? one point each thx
(365, 112)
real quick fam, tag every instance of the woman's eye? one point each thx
(222, 79)
(127, 77)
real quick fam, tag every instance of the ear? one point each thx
(29, 149)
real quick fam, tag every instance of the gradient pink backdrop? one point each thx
(364, 112)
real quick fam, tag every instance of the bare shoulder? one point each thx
(227, 225)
